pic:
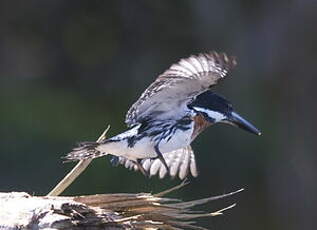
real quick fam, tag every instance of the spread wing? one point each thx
(168, 95)
(180, 162)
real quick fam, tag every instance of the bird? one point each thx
(167, 118)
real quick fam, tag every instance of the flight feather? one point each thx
(181, 163)
(168, 95)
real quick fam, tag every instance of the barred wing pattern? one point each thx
(168, 95)
(180, 162)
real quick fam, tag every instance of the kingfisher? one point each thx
(168, 116)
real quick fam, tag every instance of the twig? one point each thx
(184, 183)
(75, 172)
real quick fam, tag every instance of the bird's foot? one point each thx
(160, 156)
(140, 167)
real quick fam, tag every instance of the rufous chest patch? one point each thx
(200, 124)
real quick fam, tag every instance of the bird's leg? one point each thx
(160, 156)
(140, 167)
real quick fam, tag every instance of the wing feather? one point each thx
(174, 166)
(181, 163)
(162, 172)
(184, 165)
(169, 94)
(155, 167)
(193, 166)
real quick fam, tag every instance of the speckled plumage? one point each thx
(169, 94)
(161, 119)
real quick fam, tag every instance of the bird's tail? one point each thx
(85, 150)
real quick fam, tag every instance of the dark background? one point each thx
(70, 68)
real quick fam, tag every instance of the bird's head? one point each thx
(216, 109)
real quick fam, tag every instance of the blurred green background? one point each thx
(70, 68)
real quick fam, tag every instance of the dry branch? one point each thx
(104, 211)
(75, 172)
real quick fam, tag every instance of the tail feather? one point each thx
(84, 150)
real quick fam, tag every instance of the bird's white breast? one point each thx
(145, 147)
(179, 140)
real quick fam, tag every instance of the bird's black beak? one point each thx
(236, 120)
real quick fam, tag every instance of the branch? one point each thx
(75, 172)
(103, 211)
